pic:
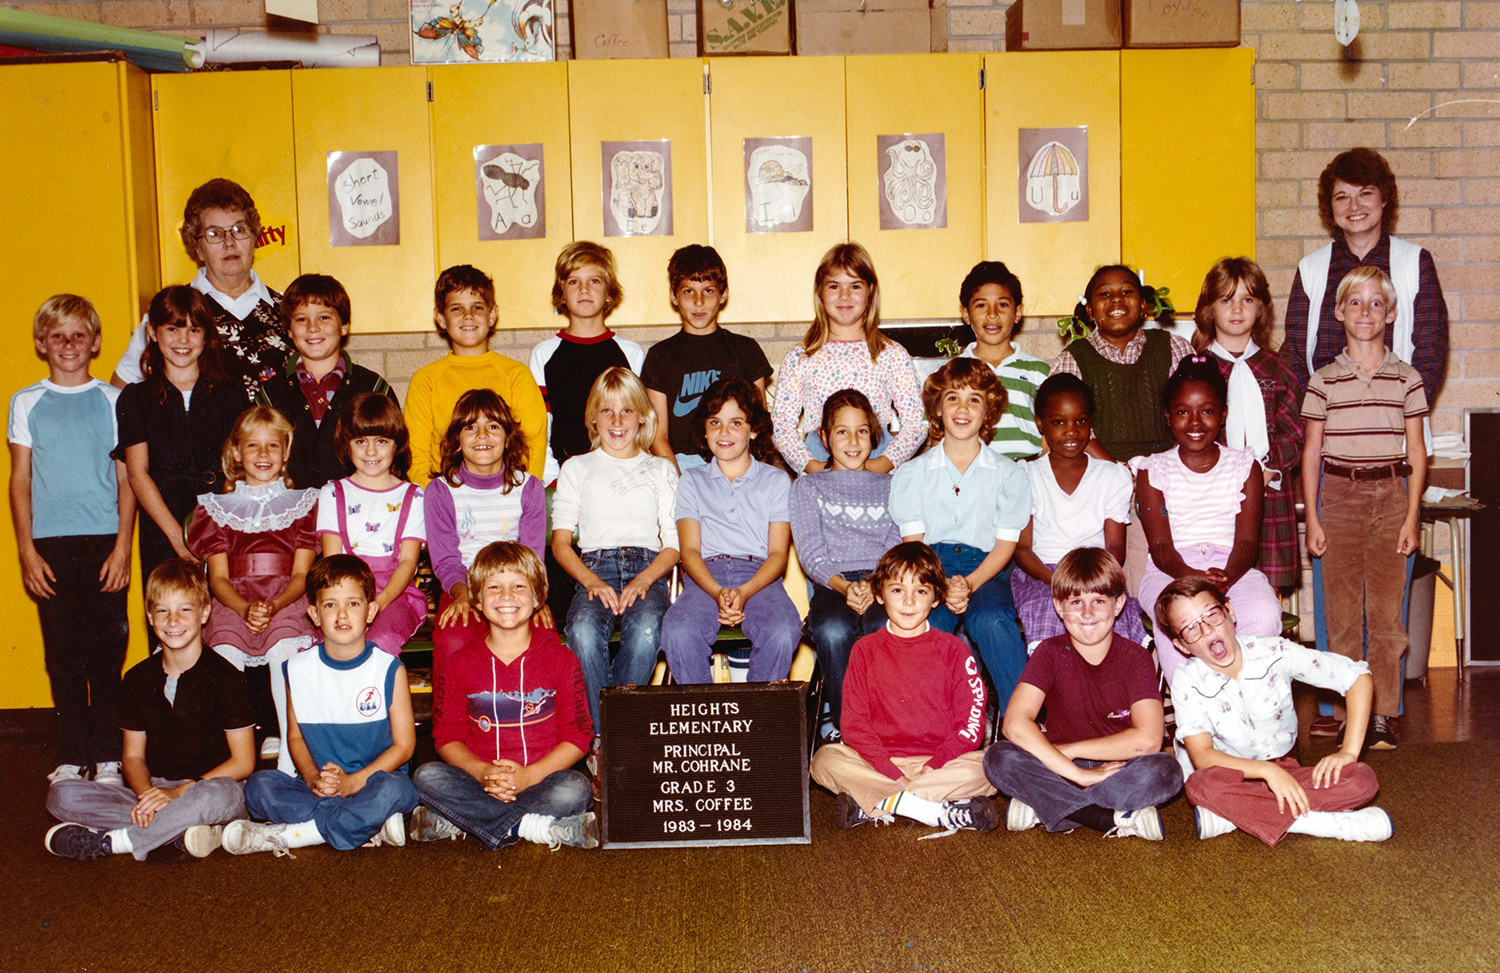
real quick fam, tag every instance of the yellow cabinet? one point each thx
(916, 175)
(780, 196)
(232, 125)
(508, 209)
(648, 117)
(1031, 90)
(1187, 134)
(79, 204)
(379, 114)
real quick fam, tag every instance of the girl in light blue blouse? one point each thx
(970, 504)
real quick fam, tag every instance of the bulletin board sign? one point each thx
(705, 766)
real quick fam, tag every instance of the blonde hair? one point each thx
(60, 309)
(1359, 275)
(622, 387)
(508, 556)
(854, 260)
(584, 253)
(250, 420)
(177, 576)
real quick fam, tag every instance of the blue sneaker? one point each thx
(70, 840)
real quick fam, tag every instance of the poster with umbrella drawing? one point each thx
(1054, 176)
(913, 181)
(637, 188)
(512, 205)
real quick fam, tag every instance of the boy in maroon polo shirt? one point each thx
(1098, 764)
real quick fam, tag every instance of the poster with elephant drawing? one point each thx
(913, 181)
(512, 205)
(637, 188)
(1054, 176)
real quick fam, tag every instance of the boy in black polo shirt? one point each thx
(189, 741)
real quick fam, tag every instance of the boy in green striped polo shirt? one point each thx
(990, 303)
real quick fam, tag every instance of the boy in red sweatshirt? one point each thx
(913, 712)
(510, 719)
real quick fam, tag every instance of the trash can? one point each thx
(1419, 616)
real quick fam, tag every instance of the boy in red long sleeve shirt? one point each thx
(510, 719)
(913, 712)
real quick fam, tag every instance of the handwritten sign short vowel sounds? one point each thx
(705, 765)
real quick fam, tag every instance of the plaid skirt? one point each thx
(1280, 555)
(1039, 619)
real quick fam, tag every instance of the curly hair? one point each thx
(751, 403)
(1195, 368)
(990, 272)
(1359, 167)
(1148, 295)
(474, 405)
(215, 194)
(963, 373)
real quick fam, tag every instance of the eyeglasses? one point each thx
(218, 234)
(1193, 630)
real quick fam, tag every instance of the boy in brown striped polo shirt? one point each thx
(1365, 464)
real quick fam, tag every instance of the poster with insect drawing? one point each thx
(778, 180)
(913, 181)
(637, 188)
(481, 30)
(364, 200)
(1054, 176)
(508, 179)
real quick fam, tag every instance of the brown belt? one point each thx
(1368, 472)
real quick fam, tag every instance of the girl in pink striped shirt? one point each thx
(1200, 505)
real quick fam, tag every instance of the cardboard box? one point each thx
(1181, 23)
(619, 28)
(1063, 25)
(744, 27)
(871, 26)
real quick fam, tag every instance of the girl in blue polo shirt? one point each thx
(734, 530)
(969, 504)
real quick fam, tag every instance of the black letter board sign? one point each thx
(708, 765)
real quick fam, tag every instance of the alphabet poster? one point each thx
(364, 200)
(778, 184)
(508, 179)
(1054, 176)
(913, 181)
(637, 188)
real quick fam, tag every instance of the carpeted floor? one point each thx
(865, 899)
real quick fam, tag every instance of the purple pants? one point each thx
(691, 625)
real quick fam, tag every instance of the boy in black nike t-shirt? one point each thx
(679, 369)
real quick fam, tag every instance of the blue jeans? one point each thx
(989, 621)
(1144, 781)
(461, 799)
(590, 625)
(833, 628)
(344, 822)
(691, 626)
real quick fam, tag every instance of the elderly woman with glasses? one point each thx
(219, 228)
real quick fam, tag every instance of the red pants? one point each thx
(1250, 806)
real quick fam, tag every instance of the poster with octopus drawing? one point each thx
(913, 181)
(778, 185)
(512, 205)
(637, 188)
(1054, 175)
(481, 30)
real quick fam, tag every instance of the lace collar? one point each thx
(258, 509)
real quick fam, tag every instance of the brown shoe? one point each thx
(1382, 733)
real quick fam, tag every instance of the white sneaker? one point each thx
(428, 825)
(1020, 816)
(108, 772)
(1366, 824)
(201, 840)
(65, 772)
(1145, 823)
(248, 837)
(1210, 825)
(393, 832)
(270, 748)
(576, 831)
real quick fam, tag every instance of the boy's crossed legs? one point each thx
(341, 822)
(462, 800)
(107, 807)
(1144, 781)
(840, 768)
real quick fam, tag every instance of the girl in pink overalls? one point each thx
(375, 514)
